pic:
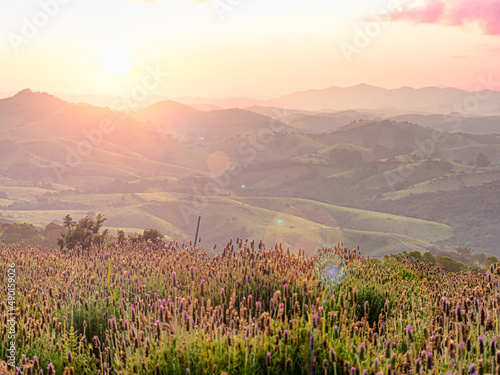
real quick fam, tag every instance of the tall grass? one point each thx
(140, 309)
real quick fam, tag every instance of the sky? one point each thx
(245, 48)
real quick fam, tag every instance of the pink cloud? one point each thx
(484, 13)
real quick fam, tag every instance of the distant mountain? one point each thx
(222, 103)
(464, 124)
(150, 168)
(189, 123)
(206, 107)
(313, 122)
(405, 99)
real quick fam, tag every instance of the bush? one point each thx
(84, 233)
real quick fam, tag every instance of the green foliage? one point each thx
(83, 233)
(481, 161)
(428, 258)
(149, 235)
(345, 158)
(490, 260)
(21, 234)
(449, 264)
(121, 236)
(28, 235)
(416, 255)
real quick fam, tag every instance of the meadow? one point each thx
(135, 308)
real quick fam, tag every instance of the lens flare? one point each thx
(330, 270)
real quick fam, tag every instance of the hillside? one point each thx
(246, 167)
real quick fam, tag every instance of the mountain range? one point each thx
(308, 177)
(404, 100)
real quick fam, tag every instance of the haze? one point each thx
(255, 48)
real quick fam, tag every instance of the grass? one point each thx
(297, 223)
(358, 220)
(134, 308)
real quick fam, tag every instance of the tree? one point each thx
(428, 257)
(416, 254)
(121, 236)
(490, 260)
(449, 264)
(345, 158)
(482, 161)
(20, 234)
(153, 235)
(83, 233)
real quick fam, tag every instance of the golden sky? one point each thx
(254, 48)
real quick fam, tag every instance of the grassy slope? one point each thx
(355, 219)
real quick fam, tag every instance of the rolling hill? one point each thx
(307, 178)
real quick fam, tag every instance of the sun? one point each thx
(115, 60)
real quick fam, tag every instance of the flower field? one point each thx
(135, 308)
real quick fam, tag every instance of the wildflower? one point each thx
(459, 313)
(410, 334)
(202, 288)
(429, 361)
(451, 349)
(288, 364)
(388, 349)
(332, 356)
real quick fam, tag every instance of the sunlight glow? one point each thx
(115, 60)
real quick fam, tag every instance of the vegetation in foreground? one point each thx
(139, 308)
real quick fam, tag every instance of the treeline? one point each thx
(470, 207)
(462, 260)
(28, 235)
(83, 233)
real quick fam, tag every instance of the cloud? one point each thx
(484, 13)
